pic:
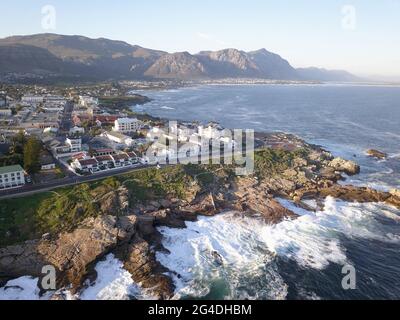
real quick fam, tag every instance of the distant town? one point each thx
(53, 136)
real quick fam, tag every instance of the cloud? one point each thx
(211, 38)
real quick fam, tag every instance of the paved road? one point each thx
(68, 181)
(66, 121)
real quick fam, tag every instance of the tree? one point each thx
(32, 150)
(18, 142)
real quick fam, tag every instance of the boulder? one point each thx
(346, 166)
(72, 253)
(139, 260)
(376, 154)
(395, 193)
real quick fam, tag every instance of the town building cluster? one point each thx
(80, 135)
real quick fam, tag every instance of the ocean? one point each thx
(300, 259)
(297, 259)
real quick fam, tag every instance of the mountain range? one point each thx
(102, 59)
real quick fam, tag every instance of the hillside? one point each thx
(104, 59)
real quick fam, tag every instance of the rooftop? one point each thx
(127, 120)
(117, 135)
(104, 158)
(9, 169)
(120, 156)
(88, 162)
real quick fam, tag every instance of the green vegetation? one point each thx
(17, 218)
(151, 184)
(27, 218)
(123, 102)
(270, 162)
(23, 151)
(15, 152)
(30, 217)
(32, 149)
(9, 160)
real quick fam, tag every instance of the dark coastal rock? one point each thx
(329, 173)
(139, 260)
(376, 154)
(21, 260)
(135, 239)
(253, 198)
(271, 210)
(350, 193)
(72, 253)
(204, 204)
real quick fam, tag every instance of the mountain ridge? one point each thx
(103, 59)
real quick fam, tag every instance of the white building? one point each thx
(75, 145)
(86, 101)
(3, 100)
(55, 100)
(86, 165)
(5, 112)
(77, 130)
(11, 177)
(106, 162)
(127, 125)
(50, 130)
(119, 138)
(32, 100)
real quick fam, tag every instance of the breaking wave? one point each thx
(234, 256)
(113, 282)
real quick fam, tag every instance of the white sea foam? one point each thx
(23, 288)
(222, 252)
(245, 245)
(313, 240)
(113, 282)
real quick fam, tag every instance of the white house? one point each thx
(32, 100)
(76, 130)
(119, 138)
(86, 101)
(11, 177)
(5, 112)
(127, 125)
(86, 165)
(105, 162)
(50, 130)
(75, 145)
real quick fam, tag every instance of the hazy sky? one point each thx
(361, 36)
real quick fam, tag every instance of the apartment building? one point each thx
(11, 177)
(127, 125)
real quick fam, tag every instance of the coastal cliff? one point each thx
(74, 228)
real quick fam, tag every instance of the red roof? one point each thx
(79, 155)
(104, 158)
(103, 150)
(88, 162)
(120, 156)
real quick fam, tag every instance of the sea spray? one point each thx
(247, 247)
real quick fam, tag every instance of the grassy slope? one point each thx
(29, 217)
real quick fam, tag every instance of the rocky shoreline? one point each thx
(132, 235)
